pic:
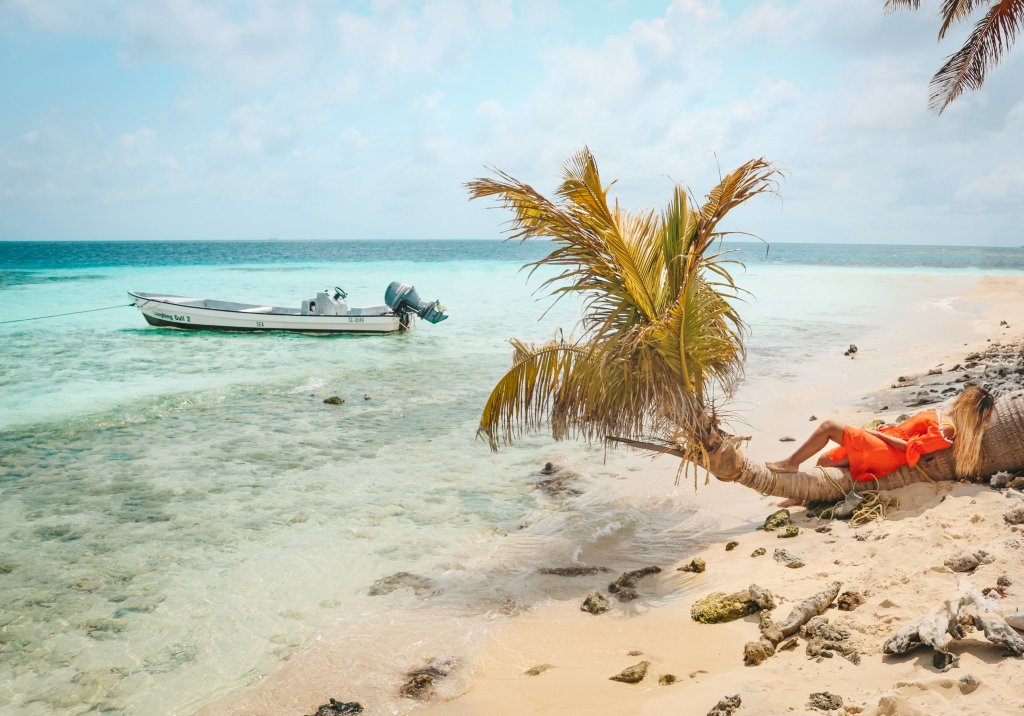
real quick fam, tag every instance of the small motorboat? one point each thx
(326, 313)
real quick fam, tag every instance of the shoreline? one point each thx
(706, 661)
(936, 522)
(494, 648)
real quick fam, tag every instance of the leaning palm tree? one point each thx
(660, 344)
(660, 347)
(992, 37)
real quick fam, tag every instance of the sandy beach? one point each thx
(895, 564)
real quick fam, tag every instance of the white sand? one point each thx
(899, 568)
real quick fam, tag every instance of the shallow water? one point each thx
(180, 511)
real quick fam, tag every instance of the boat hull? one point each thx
(173, 315)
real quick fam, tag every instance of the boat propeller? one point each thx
(403, 299)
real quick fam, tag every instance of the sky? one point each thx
(311, 119)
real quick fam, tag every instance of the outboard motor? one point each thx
(403, 300)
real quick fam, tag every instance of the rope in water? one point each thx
(69, 313)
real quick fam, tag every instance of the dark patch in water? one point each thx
(57, 532)
(10, 279)
(274, 269)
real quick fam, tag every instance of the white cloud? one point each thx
(354, 137)
(141, 136)
(295, 102)
(430, 102)
(255, 130)
(489, 110)
(429, 37)
(1016, 115)
(1003, 185)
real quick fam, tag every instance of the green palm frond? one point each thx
(660, 338)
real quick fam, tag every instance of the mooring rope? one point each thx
(69, 313)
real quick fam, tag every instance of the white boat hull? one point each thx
(173, 312)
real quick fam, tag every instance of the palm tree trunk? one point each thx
(1003, 448)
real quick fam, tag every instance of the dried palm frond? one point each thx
(993, 36)
(966, 68)
(894, 5)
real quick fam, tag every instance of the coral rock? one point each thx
(573, 571)
(968, 684)
(696, 565)
(968, 561)
(719, 607)
(726, 706)
(761, 596)
(824, 701)
(1015, 515)
(595, 603)
(627, 594)
(789, 531)
(539, 669)
(755, 652)
(437, 668)
(420, 687)
(399, 580)
(777, 519)
(336, 708)
(628, 579)
(634, 674)
(848, 601)
(788, 559)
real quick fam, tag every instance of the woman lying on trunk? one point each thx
(871, 454)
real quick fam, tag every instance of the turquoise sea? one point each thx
(180, 512)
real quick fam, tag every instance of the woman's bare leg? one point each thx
(824, 461)
(827, 430)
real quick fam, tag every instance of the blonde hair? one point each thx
(970, 415)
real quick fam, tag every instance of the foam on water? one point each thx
(180, 511)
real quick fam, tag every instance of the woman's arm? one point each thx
(890, 440)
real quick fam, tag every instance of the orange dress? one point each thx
(871, 457)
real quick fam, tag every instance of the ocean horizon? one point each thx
(180, 512)
(53, 254)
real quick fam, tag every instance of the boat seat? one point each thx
(369, 310)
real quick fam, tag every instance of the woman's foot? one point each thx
(783, 466)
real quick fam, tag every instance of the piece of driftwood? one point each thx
(812, 606)
(772, 632)
(939, 626)
(985, 613)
